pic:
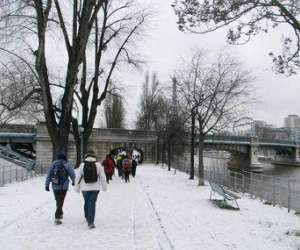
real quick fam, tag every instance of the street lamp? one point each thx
(80, 131)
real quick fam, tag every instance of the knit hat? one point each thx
(61, 156)
(90, 153)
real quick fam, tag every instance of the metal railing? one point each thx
(227, 138)
(13, 173)
(10, 155)
(282, 191)
(9, 174)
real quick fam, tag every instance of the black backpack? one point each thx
(59, 174)
(90, 172)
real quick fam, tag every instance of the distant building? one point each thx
(267, 131)
(292, 122)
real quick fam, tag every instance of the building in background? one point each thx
(292, 123)
(264, 130)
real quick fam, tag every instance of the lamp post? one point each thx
(81, 130)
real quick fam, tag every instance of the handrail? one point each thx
(12, 156)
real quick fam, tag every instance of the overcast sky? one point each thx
(165, 46)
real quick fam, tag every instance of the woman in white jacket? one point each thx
(90, 177)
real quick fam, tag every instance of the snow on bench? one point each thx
(226, 194)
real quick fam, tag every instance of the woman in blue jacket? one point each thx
(58, 174)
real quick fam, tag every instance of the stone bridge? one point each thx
(248, 152)
(103, 141)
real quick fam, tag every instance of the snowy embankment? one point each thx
(157, 210)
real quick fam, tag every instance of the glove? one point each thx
(47, 189)
(73, 184)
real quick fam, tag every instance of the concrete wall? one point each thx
(102, 141)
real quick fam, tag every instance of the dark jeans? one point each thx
(120, 171)
(90, 198)
(126, 176)
(60, 198)
(107, 175)
(133, 170)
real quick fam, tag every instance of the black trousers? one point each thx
(107, 175)
(133, 169)
(120, 172)
(60, 198)
(126, 176)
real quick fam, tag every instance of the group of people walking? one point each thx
(90, 178)
(125, 162)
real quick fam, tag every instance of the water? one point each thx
(284, 171)
(276, 184)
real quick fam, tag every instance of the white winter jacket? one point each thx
(81, 185)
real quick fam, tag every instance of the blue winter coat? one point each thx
(65, 186)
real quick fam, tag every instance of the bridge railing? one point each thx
(275, 141)
(227, 138)
(248, 139)
(123, 132)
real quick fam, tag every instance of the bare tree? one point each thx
(246, 19)
(97, 36)
(217, 93)
(19, 93)
(114, 111)
(113, 44)
(37, 18)
(152, 102)
(159, 111)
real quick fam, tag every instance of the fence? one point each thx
(282, 191)
(13, 173)
(273, 190)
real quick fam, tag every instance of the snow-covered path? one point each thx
(156, 210)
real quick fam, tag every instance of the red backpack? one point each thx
(126, 165)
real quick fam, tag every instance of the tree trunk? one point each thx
(77, 141)
(163, 153)
(156, 151)
(200, 164)
(192, 169)
(169, 156)
(59, 146)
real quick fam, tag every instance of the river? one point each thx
(268, 169)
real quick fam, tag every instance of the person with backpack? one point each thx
(126, 166)
(109, 166)
(58, 175)
(90, 176)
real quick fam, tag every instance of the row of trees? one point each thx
(207, 97)
(161, 112)
(94, 38)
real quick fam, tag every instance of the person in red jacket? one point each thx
(108, 165)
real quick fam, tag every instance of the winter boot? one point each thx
(57, 222)
(91, 225)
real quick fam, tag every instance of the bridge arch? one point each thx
(138, 152)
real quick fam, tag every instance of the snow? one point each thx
(156, 210)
